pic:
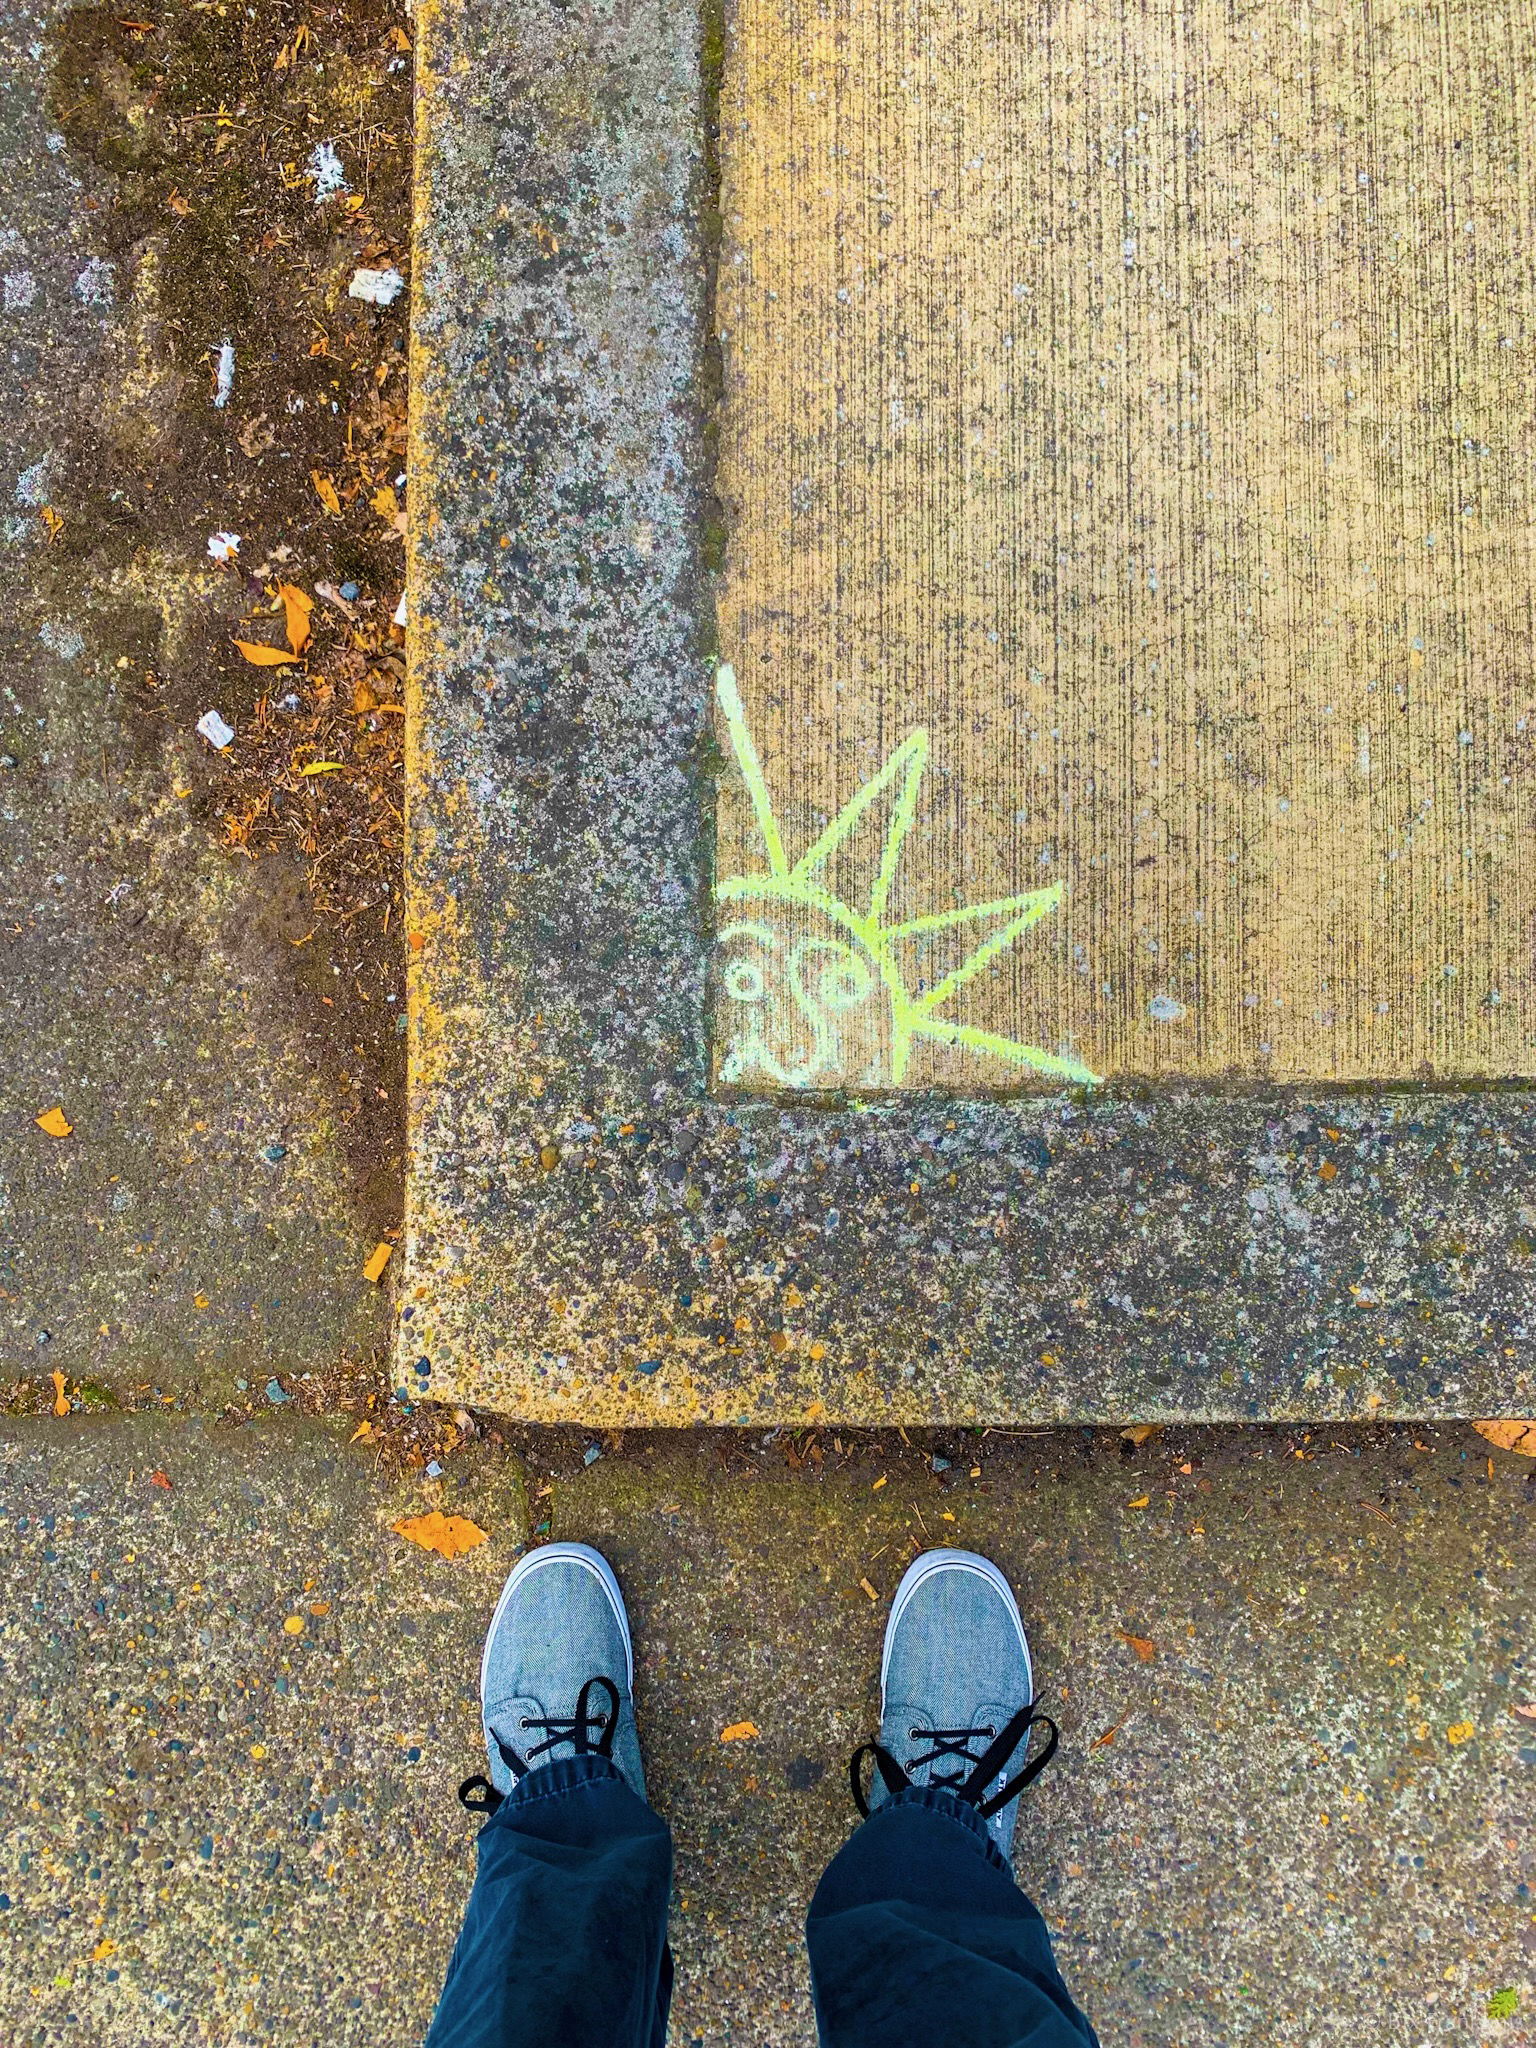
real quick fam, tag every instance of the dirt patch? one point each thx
(246, 164)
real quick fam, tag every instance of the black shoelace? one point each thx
(578, 1730)
(970, 1783)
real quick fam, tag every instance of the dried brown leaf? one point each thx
(296, 610)
(260, 655)
(1510, 1436)
(448, 1535)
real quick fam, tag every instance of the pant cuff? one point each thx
(953, 1808)
(561, 1774)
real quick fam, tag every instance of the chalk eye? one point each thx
(744, 981)
(842, 979)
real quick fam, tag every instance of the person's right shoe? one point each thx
(957, 1700)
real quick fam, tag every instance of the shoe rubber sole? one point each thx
(922, 1568)
(567, 1553)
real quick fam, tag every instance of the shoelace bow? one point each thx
(969, 1784)
(577, 1729)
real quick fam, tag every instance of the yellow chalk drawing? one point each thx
(838, 958)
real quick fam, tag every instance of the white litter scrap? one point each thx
(223, 374)
(325, 169)
(400, 610)
(215, 731)
(223, 547)
(376, 287)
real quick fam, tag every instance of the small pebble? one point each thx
(591, 1454)
(434, 1470)
(938, 1463)
(272, 1153)
(275, 1393)
(351, 592)
(649, 1365)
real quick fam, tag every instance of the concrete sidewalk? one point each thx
(218, 1828)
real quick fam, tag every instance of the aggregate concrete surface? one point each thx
(1302, 1819)
(205, 1211)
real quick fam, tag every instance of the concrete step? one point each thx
(646, 1188)
(1250, 1838)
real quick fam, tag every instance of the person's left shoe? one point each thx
(557, 1676)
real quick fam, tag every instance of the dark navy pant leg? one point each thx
(564, 1943)
(919, 1938)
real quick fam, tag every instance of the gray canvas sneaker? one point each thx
(557, 1676)
(957, 1699)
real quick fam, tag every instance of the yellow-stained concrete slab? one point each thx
(1134, 399)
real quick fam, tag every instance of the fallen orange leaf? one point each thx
(363, 1429)
(60, 1398)
(1103, 1741)
(159, 1479)
(1509, 1436)
(448, 1535)
(1527, 1712)
(103, 1949)
(260, 655)
(1142, 1432)
(739, 1731)
(384, 501)
(1144, 1647)
(378, 1259)
(1142, 1500)
(325, 491)
(54, 1122)
(296, 610)
(321, 767)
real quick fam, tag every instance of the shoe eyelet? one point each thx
(914, 1734)
(524, 1722)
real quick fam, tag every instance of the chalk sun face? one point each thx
(811, 991)
(799, 996)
